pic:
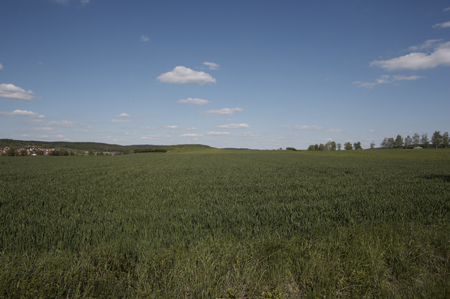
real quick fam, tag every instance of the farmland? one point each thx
(207, 223)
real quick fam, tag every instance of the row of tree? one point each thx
(150, 150)
(332, 146)
(437, 140)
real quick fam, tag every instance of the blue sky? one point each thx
(255, 74)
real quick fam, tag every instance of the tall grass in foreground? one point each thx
(226, 225)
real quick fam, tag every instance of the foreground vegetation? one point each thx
(227, 224)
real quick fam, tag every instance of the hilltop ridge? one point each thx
(96, 146)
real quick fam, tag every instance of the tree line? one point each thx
(437, 140)
(332, 146)
(150, 150)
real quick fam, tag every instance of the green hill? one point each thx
(97, 146)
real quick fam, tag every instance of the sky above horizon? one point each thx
(246, 74)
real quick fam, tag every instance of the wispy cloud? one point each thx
(442, 25)
(399, 78)
(417, 60)
(302, 127)
(13, 92)
(145, 38)
(191, 135)
(193, 101)
(250, 135)
(1, 67)
(386, 79)
(123, 115)
(428, 44)
(211, 65)
(64, 123)
(179, 128)
(42, 129)
(234, 126)
(120, 121)
(223, 111)
(184, 75)
(22, 113)
(447, 9)
(212, 133)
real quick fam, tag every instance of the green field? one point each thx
(207, 223)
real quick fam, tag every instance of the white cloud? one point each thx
(184, 75)
(442, 25)
(120, 121)
(383, 79)
(416, 61)
(407, 77)
(13, 92)
(1, 66)
(64, 123)
(334, 131)
(371, 130)
(191, 135)
(84, 2)
(428, 44)
(364, 84)
(386, 79)
(217, 133)
(22, 113)
(42, 129)
(234, 126)
(145, 38)
(179, 128)
(123, 115)
(447, 9)
(211, 65)
(302, 127)
(223, 111)
(193, 101)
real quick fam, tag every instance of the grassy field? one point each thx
(208, 223)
